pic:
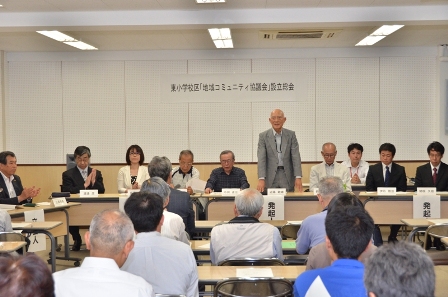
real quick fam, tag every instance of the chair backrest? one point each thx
(11, 236)
(251, 262)
(438, 231)
(169, 295)
(273, 287)
(289, 231)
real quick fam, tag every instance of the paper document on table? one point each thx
(7, 206)
(254, 272)
(20, 225)
(295, 222)
(198, 185)
(205, 246)
(44, 203)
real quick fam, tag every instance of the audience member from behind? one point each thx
(402, 269)
(173, 226)
(27, 276)
(132, 176)
(349, 232)
(312, 231)
(358, 168)
(319, 256)
(181, 174)
(109, 240)
(11, 189)
(168, 265)
(5, 221)
(180, 202)
(245, 236)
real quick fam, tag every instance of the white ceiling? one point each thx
(118, 25)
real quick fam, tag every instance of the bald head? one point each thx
(329, 152)
(277, 119)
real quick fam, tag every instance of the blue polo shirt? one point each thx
(343, 278)
(311, 232)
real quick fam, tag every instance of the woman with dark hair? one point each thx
(134, 174)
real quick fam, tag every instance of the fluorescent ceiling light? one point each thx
(386, 30)
(221, 37)
(369, 40)
(56, 35)
(210, 1)
(81, 45)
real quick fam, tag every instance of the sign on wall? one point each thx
(240, 87)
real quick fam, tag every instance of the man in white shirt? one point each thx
(245, 236)
(329, 168)
(358, 168)
(181, 174)
(110, 242)
(173, 226)
(168, 265)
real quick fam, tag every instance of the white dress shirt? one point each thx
(8, 183)
(361, 170)
(168, 265)
(99, 277)
(173, 227)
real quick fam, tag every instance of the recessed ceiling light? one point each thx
(59, 36)
(221, 37)
(386, 30)
(210, 1)
(369, 40)
(1, 5)
(81, 45)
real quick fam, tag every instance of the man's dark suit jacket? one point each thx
(375, 177)
(423, 177)
(73, 182)
(181, 204)
(4, 193)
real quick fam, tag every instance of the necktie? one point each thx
(387, 177)
(434, 176)
(278, 144)
(84, 174)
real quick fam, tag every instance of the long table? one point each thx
(202, 247)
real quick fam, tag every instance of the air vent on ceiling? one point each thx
(297, 34)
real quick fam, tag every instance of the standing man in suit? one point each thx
(180, 202)
(329, 168)
(386, 174)
(11, 189)
(279, 164)
(81, 177)
(433, 174)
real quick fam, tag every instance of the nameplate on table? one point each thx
(386, 191)
(426, 191)
(316, 191)
(60, 201)
(274, 191)
(133, 191)
(426, 206)
(88, 193)
(229, 192)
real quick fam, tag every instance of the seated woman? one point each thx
(134, 174)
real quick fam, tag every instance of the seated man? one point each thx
(358, 168)
(312, 230)
(329, 168)
(386, 174)
(180, 202)
(349, 232)
(400, 269)
(81, 177)
(433, 174)
(245, 236)
(173, 226)
(184, 172)
(226, 176)
(319, 256)
(110, 242)
(5, 221)
(168, 265)
(11, 189)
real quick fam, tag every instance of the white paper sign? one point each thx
(60, 201)
(229, 192)
(279, 191)
(386, 191)
(132, 191)
(121, 202)
(273, 208)
(426, 206)
(38, 241)
(88, 193)
(197, 185)
(316, 191)
(426, 191)
(254, 272)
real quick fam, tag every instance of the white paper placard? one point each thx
(182, 190)
(273, 208)
(277, 191)
(38, 241)
(426, 206)
(229, 192)
(316, 191)
(254, 272)
(60, 201)
(132, 191)
(196, 184)
(121, 202)
(386, 191)
(88, 193)
(426, 191)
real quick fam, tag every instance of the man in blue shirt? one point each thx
(349, 231)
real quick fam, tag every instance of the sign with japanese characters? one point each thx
(37, 241)
(277, 191)
(229, 192)
(235, 87)
(386, 191)
(426, 190)
(273, 208)
(88, 193)
(426, 206)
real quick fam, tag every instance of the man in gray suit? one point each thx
(279, 164)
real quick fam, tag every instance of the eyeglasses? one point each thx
(329, 155)
(226, 161)
(134, 153)
(82, 160)
(277, 118)
(185, 164)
